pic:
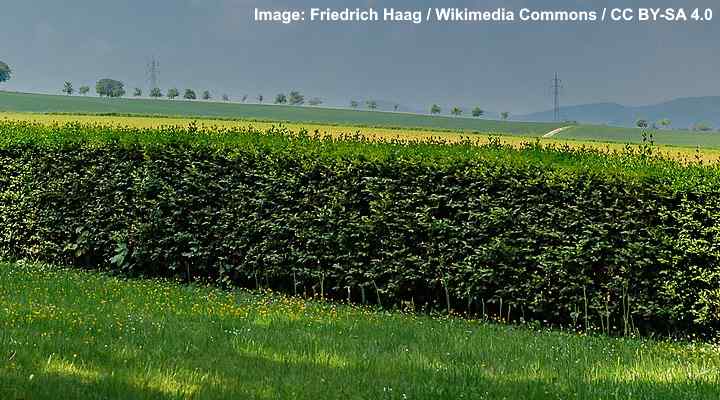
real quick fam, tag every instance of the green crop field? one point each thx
(89, 336)
(678, 138)
(40, 103)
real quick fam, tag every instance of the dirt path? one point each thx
(556, 131)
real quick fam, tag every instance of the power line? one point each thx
(556, 87)
(153, 72)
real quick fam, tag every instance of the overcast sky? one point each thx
(214, 44)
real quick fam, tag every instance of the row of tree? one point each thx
(457, 111)
(643, 123)
(114, 88)
(435, 109)
(665, 124)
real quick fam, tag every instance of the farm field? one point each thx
(342, 119)
(40, 103)
(704, 140)
(706, 154)
(91, 336)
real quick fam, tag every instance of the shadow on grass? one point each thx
(308, 354)
(306, 367)
(58, 386)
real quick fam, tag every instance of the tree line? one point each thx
(665, 123)
(113, 88)
(457, 111)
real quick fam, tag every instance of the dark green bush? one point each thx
(572, 237)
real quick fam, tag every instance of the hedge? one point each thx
(492, 231)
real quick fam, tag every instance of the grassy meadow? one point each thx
(91, 336)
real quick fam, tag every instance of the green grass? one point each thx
(40, 103)
(82, 335)
(633, 135)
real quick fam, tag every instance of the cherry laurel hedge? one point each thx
(510, 239)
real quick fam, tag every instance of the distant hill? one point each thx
(683, 113)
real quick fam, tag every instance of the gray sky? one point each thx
(214, 44)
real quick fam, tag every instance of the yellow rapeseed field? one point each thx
(679, 153)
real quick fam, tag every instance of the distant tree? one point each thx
(5, 72)
(371, 104)
(244, 98)
(435, 109)
(280, 99)
(84, 90)
(456, 111)
(354, 104)
(173, 93)
(110, 88)
(118, 92)
(641, 123)
(68, 88)
(137, 92)
(504, 115)
(260, 98)
(315, 101)
(396, 107)
(477, 112)
(156, 92)
(665, 123)
(702, 127)
(189, 94)
(206, 95)
(225, 97)
(296, 99)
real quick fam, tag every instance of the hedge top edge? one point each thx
(642, 162)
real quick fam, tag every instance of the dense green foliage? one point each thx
(78, 335)
(110, 88)
(189, 94)
(568, 236)
(173, 93)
